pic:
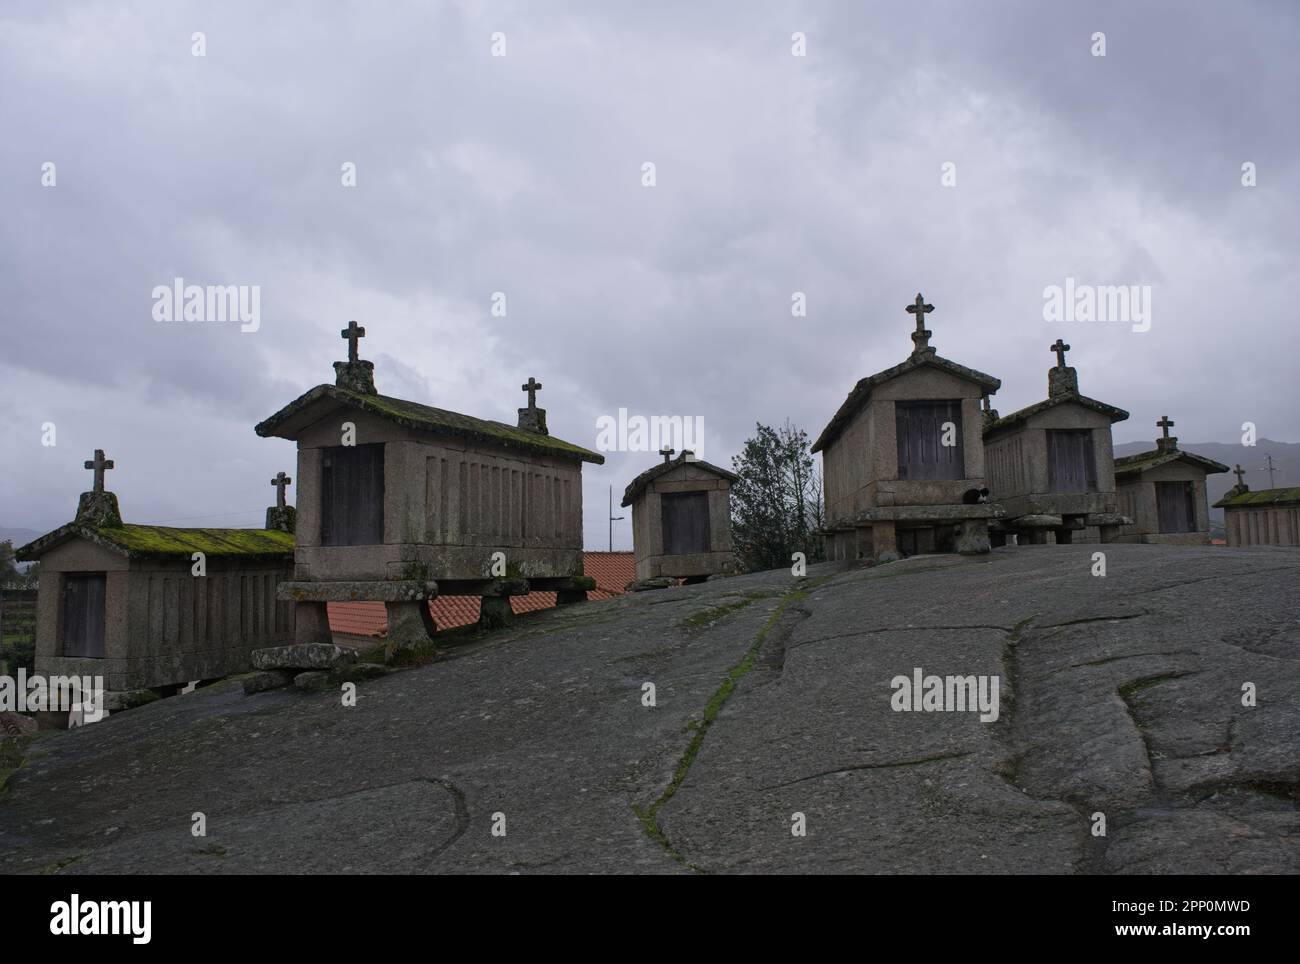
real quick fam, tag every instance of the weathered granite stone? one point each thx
(302, 656)
(409, 623)
(972, 537)
(98, 509)
(313, 681)
(495, 612)
(355, 376)
(644, 585)
(15, 724)
(380, 590)
(887, 556)
(281, 518)
(268, 680)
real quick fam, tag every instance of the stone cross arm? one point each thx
(920, 309)
(351, 333)
(667, 453)
(1060, 348)
(99, 465)
(1165, 425)
(280, 481)
(1239, 472)
(532, 386)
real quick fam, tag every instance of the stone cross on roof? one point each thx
(667, 453)
(1165, 424)
(280, 481)
(1167, 443)
(1060, 348)
(920, 337)
(1239, 472)
(532, 386)
(352, 333)
(99, 465)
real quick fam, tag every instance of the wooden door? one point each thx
(920, 433)
(1071, 465)
(83, 614)
(685, 522)
(352, 495)
(1174, 506)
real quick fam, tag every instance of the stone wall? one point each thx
(163, 625)
(1263, 526)
(647, 526)
(448, 506)
(861, 465)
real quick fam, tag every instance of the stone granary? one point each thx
(1163, 492)
(133, 604)
(681, 519)
(398, 501)
(1051, 466)
(903, 458)
(1270, 517)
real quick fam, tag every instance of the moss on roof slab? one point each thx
(142, 540)
(1264, 497)
(424, 418)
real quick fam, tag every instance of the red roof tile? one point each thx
(611, 570)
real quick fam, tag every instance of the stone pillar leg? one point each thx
(972, 536)
(883, 538)
(1110, 533)
(311, 623)
(495, 612)
(409, 623)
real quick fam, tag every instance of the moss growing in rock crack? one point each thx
(1132, 688)
(708, 616)
(700, 729)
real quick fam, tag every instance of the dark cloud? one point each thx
(522, 175)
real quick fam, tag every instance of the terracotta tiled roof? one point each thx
(611, 570)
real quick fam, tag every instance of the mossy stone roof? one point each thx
(141, 541)
(1074, 398)
(311, 406)
(862, 390)
(1145, 461)
(1260, 499)
(663, 468)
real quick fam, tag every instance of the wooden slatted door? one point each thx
(83, 614)
(352, 495)
(1071, 465)
(1174, 507)
(920, 431)
(685, 517)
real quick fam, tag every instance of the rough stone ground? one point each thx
(1120, 695)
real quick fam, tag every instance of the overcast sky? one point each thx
(523, 174)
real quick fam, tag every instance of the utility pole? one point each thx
(612, 518)
(1271, 469)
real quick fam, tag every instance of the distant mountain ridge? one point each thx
(1286, 464)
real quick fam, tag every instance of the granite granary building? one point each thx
(153, 607)
(903, 458)
(398, 501)
(1051, 466)
(1269, 517)
(681, 519)
(1163, 492)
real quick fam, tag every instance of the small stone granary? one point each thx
(398, 501)
(1269, 517)
(1051, 465)
(903, 458)
(1163, 492)
(681, 519)
(138, 604)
